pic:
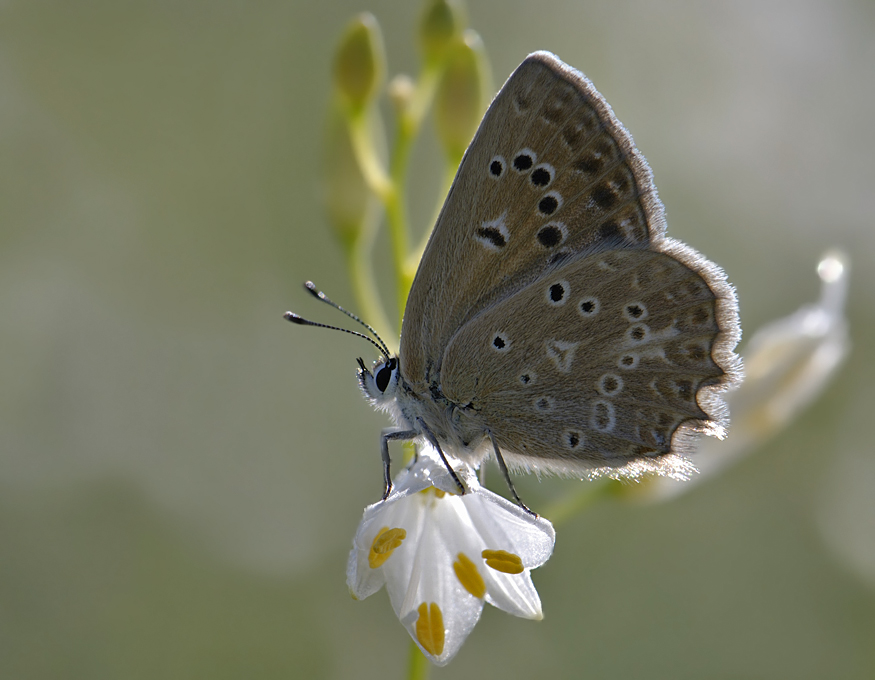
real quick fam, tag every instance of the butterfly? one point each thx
(551, 322)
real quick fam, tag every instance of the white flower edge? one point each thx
(442, 554)
(787, 364)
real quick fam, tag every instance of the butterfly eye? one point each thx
(384, 375)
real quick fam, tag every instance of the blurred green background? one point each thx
(181, 471)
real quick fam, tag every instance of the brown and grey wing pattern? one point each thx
(606, 362)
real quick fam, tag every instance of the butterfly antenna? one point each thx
(319, 295)
(301, 321)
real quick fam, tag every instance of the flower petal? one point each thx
(431, 579)
(506, 527)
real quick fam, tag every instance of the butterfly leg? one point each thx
(434, 442)
(501, 464)
(385, 436)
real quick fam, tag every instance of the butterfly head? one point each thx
(379, 384)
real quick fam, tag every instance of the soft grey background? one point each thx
(181, 471)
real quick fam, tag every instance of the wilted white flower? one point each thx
(442, 554)
(787, 364)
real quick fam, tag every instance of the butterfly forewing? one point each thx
(550, 174)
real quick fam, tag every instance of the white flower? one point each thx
(787, 364)
(442, 554)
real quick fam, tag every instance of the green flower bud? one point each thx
(461, 95)
(347, 195)
(401, 92)
(441, 25)
(360, 62)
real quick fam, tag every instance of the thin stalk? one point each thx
(573, 503)
(418, 667)
(368, 159)
(409, 124)
(360, 267)
(415, 255)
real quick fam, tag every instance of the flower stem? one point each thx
(577, 501)
(409, 124)
(361, 272)
(415, 255)
(367, 157)
(417, 665)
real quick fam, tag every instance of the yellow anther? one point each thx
(384, 545)
(430, 628)
(469, 577)
(503, 561)
(440, 493)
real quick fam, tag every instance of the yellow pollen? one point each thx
(440, 493)
(430, 628)
(503, 561)
(384, 545)
(469, 577)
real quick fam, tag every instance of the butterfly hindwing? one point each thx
(597, 364)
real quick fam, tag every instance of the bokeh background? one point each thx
(181, 471)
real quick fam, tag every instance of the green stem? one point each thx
(409, 124)
(367, 157)
(424, 94)
(573, 503)
(417, 666)
(360, 267)
(415, 255)
(396, 216)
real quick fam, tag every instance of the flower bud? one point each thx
(347, 196)
(360, 62)
(460, 98)
(401, 92)
(441, 25)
